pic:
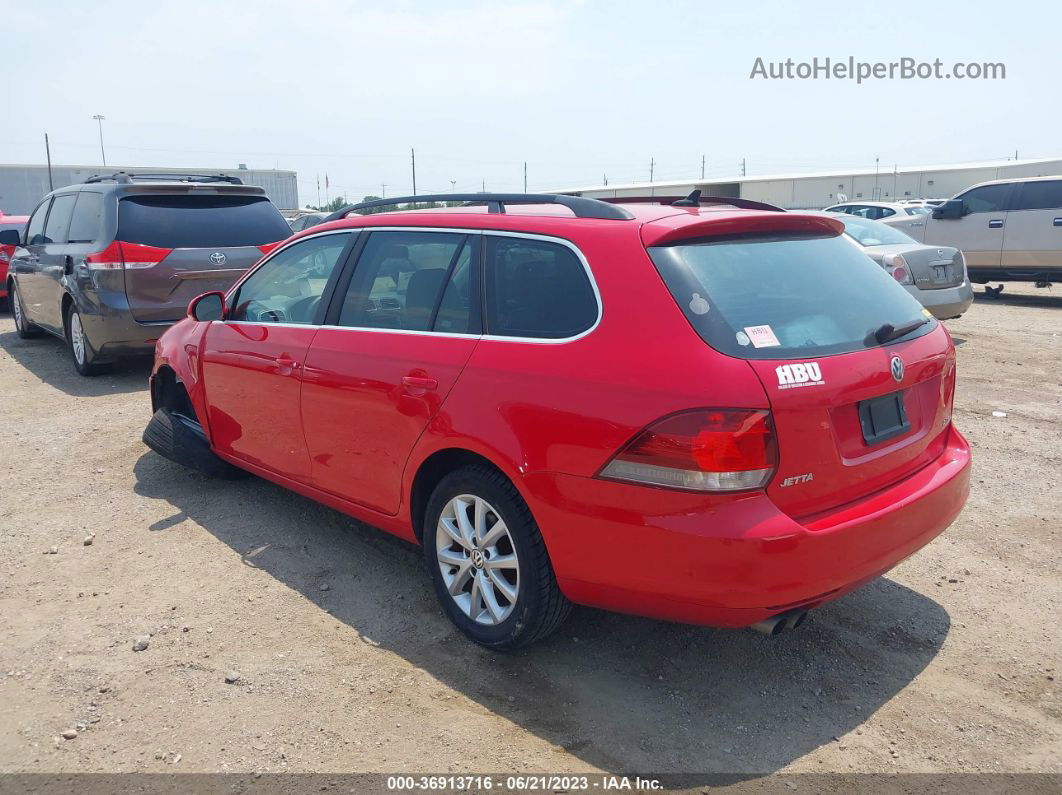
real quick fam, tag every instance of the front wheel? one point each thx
(80, 348)
(488, 562)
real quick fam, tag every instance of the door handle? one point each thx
(419, 382)
(995, 223)
(286, 365)
(1057, 222)
(68, 264)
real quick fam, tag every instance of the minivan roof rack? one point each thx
(581, 207)
(126, 178)
(694, 199)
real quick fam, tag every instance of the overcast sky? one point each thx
(578, 90)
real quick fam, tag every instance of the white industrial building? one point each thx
(817, 190)
(22, 186)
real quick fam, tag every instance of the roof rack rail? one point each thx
(125, 177)
(581, 207)
(694, 199)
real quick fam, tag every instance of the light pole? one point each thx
(453, 185)
(99, 120)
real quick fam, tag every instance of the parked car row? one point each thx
(1008, 229)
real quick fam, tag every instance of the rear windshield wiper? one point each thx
(887, 332)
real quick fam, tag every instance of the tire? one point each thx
(181, 440)
(23, 327)
(480, 606)
(81, 350)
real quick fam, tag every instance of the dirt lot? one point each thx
(951, 663)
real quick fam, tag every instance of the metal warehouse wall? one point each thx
(21, 187)
(816, 191)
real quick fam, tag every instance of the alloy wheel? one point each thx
(16, 308)
(77, 338)
(478, 560)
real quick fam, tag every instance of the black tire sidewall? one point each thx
(472, 480)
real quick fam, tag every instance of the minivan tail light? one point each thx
(128, 256)
(702, 450)
(896, 267)
(265, 248)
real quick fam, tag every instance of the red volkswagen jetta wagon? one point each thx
(703, 410)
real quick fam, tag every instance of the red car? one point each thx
(14, 223)
(708, 411)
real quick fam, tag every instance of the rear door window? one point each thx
(1046, 195)
(537, 289)
(59, 218)
(414, 281)
(786, 296)
(87, 218)
(191, 221)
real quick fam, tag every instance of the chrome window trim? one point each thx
(444, 230)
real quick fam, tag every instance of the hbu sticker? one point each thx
(791, 376)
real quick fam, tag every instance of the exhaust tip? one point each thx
(775, 625)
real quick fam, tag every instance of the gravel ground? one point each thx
(340, 660)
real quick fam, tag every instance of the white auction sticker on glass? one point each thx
(762, 336)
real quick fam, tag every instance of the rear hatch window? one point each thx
(189, 221)
(783, 297)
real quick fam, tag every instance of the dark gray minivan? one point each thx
(110, 264)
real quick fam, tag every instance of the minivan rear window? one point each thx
(188, 221)
(785, 297)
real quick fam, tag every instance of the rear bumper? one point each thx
(947, 302)
(657, 553)
(111, 328)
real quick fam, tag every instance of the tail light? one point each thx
(126, 256)
(702, 450)
(265, 248)
(4, 257)
(896, 266)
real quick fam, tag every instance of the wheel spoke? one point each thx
(453, 558)
(447, 526)
(500, 583)
(480, 520)
(494, 534)
(457, 584)
(501, 562)
(476, 597)
(467, 531)
(486, 588)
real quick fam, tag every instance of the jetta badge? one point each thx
(896, 368)
(218, 258)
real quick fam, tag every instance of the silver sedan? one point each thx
(935, 275)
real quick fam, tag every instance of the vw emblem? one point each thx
(477, 558)
(218, 258)
(896, 368)
(940, 252)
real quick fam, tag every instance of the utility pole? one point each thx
(453, 185)
(484, 186)
(877, 190)
(604, 178)
(319, 205)
(383, 190)
(1015, 154)
(99, 120)
(652, 168)
(525, 176)
(413, 161)
(48, 153)
(702, 165)
(742, 166)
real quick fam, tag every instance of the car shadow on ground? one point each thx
(48, 359)
(624, 694)
(1046, 298)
